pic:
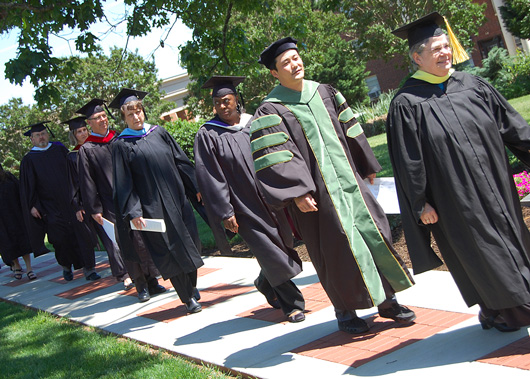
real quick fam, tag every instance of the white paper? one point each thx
(152, 225)
(384, 190)
(108, 227)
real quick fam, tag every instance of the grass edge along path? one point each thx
(36, 344)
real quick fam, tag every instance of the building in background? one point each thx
(175, 89)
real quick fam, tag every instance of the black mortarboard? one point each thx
(268, 55)
(223, 85)
(93, 106)
(125, 96)
(427, 27)
(75, 123)
(38, 127)
(421, 29)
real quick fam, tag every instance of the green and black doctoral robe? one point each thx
(309, 142)
(226, 177)
(447, 146)
(152, 177)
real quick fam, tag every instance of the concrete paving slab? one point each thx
(232, 332)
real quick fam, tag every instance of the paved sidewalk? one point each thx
(238, 330)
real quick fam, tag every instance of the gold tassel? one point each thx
(459, 54)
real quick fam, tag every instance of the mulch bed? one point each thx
(241, 250)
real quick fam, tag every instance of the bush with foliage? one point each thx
(509, 75)
(373, 116)
(184, 133)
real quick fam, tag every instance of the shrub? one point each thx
(184, 133)
(373, 117)
(509, 75)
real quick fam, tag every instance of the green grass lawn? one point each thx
(379, 146)
(522, 105)
(39, 345)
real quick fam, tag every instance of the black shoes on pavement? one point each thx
(354, 326)
(398, 313)
(192, 306)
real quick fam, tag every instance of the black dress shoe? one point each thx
(93, 276)
(296, 316)
(143, 295)
(354, 326)
(489, 322)
(155, 290)
(270, 296)
(398, 313)
(196, 294)
(192, 306)
(68, 275)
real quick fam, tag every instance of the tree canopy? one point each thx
(229, 43)
(228, 36)
(516, 17)
(374, 20)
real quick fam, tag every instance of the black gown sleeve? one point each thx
(406, 155)
(126, 199)
(281, 171)
(211, 178)
(514, 130)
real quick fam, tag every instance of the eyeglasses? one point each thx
(100, 117)
(438, 50)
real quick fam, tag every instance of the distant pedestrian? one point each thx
(14, 242)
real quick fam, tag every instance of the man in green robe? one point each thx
(311, 156)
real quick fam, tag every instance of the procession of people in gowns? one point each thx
(298, 166)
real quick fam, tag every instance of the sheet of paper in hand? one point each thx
(152, 225)
(384, 190)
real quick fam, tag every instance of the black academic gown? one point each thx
(447, 149)
(44, 185)
(85, 233)
(291, 169)
(14, 240)
(152, 177)
(226, 177)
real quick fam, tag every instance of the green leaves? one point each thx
(516, 16)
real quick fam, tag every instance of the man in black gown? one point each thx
(44, 198)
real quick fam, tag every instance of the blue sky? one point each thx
(166, 59)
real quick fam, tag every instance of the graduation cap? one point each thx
(429, 26)
(223, 85)
(75, 123)
(38, 127)
(268, 55)
(125, 96)
(93, 106)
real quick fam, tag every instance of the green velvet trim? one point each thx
(281, 94)
(264, 122)
(346, 115)
(271, 159)
(268, 140)
(355, 130)
(340, 99)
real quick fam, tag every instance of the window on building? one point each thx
(485, 46)
(374, 90)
